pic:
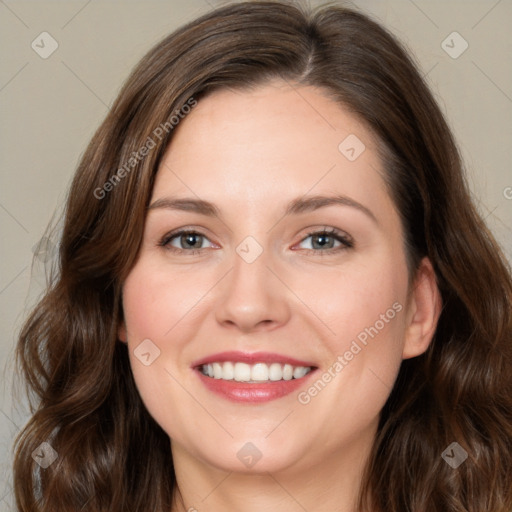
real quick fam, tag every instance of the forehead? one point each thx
(266, 145)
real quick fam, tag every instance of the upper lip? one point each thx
(251, 358)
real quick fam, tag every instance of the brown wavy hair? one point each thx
(112, 456)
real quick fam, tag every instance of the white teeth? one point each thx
(217, 371)
(275, 372)
(242, 372)
(259, 372)
(228, 371)
(299, 372)
(288, 372)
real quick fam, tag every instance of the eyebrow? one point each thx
(295, 207)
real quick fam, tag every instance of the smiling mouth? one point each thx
(253, 373)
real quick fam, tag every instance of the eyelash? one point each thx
(345, 240)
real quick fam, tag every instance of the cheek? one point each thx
(156, 302)
(364, 309)
(361, 301)
(162, 306)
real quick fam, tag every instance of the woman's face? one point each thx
(291, 287)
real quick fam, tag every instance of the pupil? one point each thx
(322, 239)
(190, 239)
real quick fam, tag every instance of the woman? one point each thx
(274, 292)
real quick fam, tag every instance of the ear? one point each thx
(423, 311)
(122, 335)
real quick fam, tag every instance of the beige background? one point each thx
(51, 107)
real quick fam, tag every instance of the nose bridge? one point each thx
(252, 296)
(250, 277)
(250, 265)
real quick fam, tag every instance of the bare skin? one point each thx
(251, 153)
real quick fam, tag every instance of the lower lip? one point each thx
(252, 393)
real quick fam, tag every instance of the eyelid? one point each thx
(342, 237)
(166, 239)
(346, 241)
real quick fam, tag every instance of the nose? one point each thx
(252, 298)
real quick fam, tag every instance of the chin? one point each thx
(255, 456)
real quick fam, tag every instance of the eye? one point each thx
(192, 242)
(188, 241)
(327, 240)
